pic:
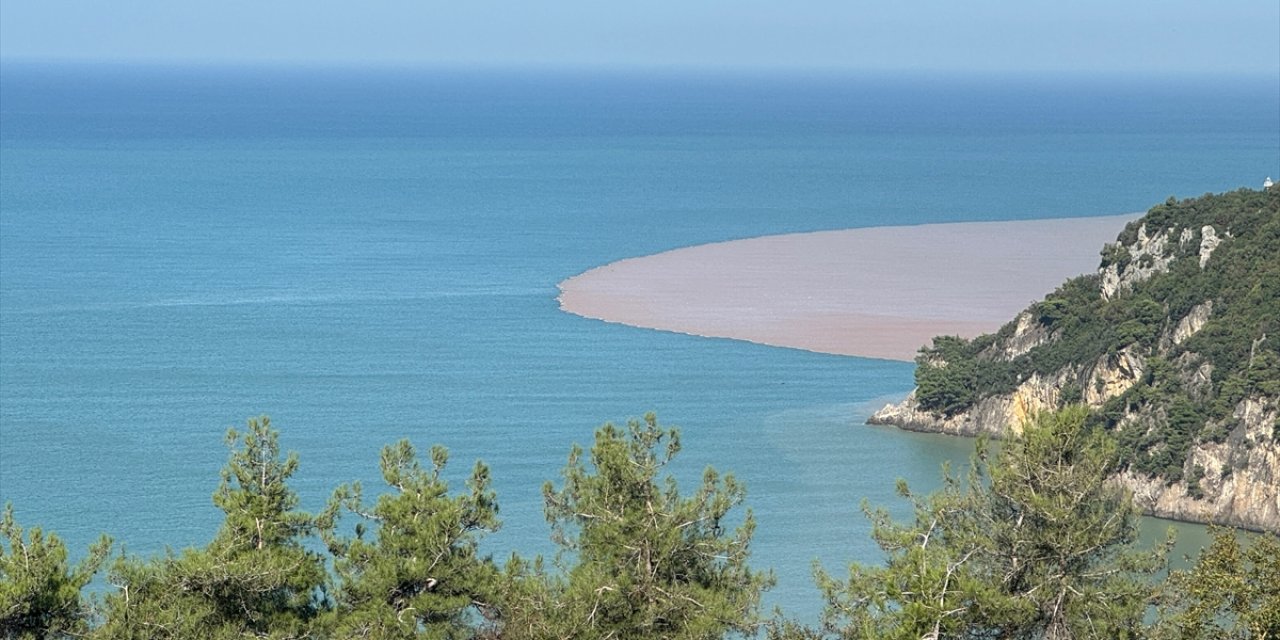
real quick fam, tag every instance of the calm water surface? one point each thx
(372, 255)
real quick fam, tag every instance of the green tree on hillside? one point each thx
(39, 589)
(1035, 543)
(648, 562)
(1232, 591)
(255, 579)
(421, 574)
(946, 376)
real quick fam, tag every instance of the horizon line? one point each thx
(267, 64)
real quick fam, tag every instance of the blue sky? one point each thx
(1170, 36)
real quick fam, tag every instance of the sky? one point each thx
(1088, 36)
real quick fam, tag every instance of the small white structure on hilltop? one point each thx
(1266, 184)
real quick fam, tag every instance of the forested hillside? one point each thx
(1175, 345)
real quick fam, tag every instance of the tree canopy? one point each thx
(40, 591)
(420, 572)
(1032, 542)
(1035, 542)
(644, 560)
(258, 577)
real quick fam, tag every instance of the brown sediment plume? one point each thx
(879, 292)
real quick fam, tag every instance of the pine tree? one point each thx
(256, 578)
(422, 573)
(40, 593)
(647, 562)
(1037, 542)
(1061, 533)
(1231, 592)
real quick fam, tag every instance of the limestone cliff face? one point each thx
(1027, 335)
(1238, 479)
(1147, 257)
(1151, 254)
(1101, 380)
(1189, 324)
(1151, 377)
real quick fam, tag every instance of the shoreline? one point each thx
(875, 292)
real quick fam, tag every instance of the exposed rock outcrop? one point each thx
(1209, 241)
(1146, 257)
(1109, 377)
(1152, 254)
(1104, 379)
(1027, 335)
(1234, 482)
(1191, 323)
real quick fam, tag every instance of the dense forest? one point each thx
(1177, 331)
(1032, 542)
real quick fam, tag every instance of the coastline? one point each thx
(877, 292)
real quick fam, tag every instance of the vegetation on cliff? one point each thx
(1190, 293)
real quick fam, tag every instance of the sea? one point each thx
(371, 254)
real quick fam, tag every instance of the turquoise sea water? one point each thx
(371, 255)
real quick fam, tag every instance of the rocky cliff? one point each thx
(1168, 345)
